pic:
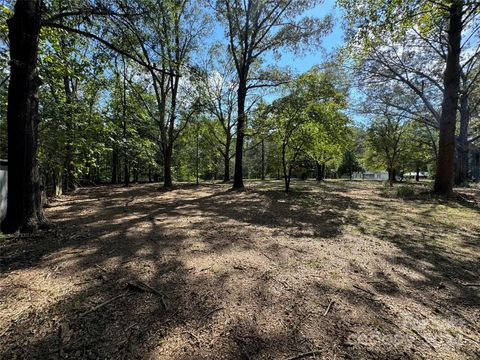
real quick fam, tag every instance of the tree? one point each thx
(350, 163)
(418, 151)
(290, 132)
(397, 20)
(330, 128)
(24, 210)
(166, 43)
(24, 193)
(254, 27)
(218, 85)
(386, 142)
(307, 121)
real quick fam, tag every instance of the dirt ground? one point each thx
(340, 270)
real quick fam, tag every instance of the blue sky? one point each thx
(333, 40)
(302, 63)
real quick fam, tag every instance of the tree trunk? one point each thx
(124, 115)
(24, 209)
(461, 168)
(126, 172)
(417, 176)
(263, 160)
(167, 168)
(238, 176)
(197, 155)
(226, 159)
(451, 81)
(135, 174)
(391, 176)
(119, 170)
(286, 177)
(320, 171)
(114, 167)
(69, 168)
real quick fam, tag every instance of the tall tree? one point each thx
(373, 22)
(218, 85)
(254, 27)
(24, 209)
(24, 193)
(167, 42)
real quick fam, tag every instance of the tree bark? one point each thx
(451, 81)
(391, 176)
(461, 164)
(24, 209)
(226, 159)
(417, 176)
(238, 176)
(167, 168)
(197, 155)
(320, 171)
(124, 114)
(286, 174)
(263, 160)
(114, 166)
(69, 168)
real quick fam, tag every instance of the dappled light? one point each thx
(226, 179)
(202, 270)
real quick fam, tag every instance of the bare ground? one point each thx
(342, 269)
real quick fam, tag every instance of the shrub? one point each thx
(405, 191)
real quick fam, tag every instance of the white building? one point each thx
(370, 175)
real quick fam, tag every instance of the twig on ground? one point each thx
(469, 337)
(95, 308)
(298, 250)
(365, 290)
(471, 284)
(213, 311)
(329, 307)
(465, 199)
(268, 257)
(101, 268)
(140, 285)
(193, 336)
(6, 329)
(304, 355)
(424, 340)
(17, 318)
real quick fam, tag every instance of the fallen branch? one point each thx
(193, 336)
(304, 355)
(268, 257)
(95, 308)
(140, 285)
(101, 268)
(424, 340)
(365, 290)
(213, 311)
(298, 250)
(328, 307)
(7, 329)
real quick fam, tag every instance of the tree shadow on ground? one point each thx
(204, 274)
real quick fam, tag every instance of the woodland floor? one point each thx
(343, 267)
